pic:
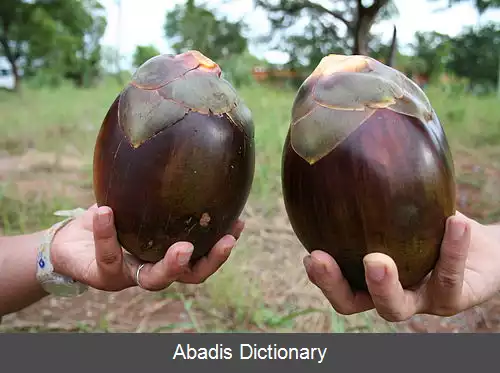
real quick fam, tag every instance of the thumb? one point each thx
(448, 276)
(391, 300)
(108, 252)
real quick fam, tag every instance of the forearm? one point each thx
(19, 287)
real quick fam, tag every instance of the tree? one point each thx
(238, 67)
(14, 14)
(308, 47)
(481, 5)
(430, 52)
(189, 26)
(323, 33)
(143, 53)
(474, 55)
(82, 62)
(57, 35)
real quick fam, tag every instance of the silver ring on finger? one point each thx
(137, 275)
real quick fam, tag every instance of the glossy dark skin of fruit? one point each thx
(378, 179)
(175, 157)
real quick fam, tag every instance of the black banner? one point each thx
(138, 353)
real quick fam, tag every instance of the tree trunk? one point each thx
(17, 78)
(12, 56)
(13, 65)
(361, 36)
(363, 24)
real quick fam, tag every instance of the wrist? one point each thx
(49, 273)
(57, 254)
(43, 234)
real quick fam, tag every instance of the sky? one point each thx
(142, 22)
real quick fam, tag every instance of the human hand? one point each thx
(467, 274)
(87, 250)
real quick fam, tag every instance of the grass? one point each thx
(252, 291)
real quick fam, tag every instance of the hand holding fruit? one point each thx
(87, 250)
(174, 158)
(368, 177)
(466, 274)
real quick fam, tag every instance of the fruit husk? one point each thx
(175, 157)
(367, 168)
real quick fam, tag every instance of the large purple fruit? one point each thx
(175, 156)
(367, 168)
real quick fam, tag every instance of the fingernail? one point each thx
(228, 241)
(103, 216)
(319, 266)
(375, 271)
(307, 262)
(228, 249)
(184, 255)
(457, 230)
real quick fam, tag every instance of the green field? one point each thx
(46, 148)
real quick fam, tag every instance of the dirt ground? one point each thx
(134, 310)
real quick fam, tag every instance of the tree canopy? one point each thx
(481, 5)
(189, 26)
(61, 39)
(475, 54)
(309, 29)
(60, 36)
(143, 53)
